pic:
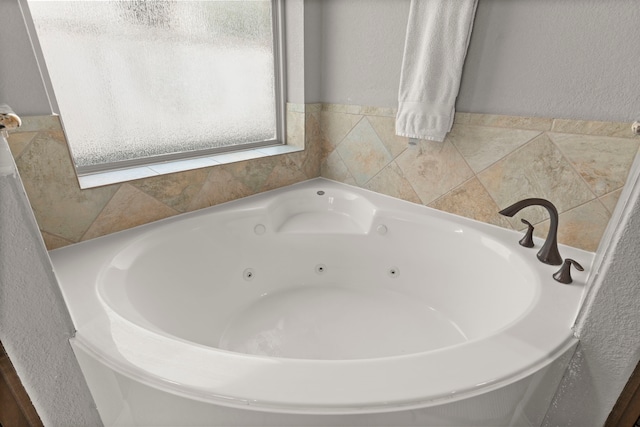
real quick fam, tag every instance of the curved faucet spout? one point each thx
(549, 252)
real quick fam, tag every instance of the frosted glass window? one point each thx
(139, 80)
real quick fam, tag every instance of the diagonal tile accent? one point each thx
(52, 241)
(175, 190)
(60, 206)
(335, 126)
(128, 208)
(482, 146)
(536, 170)
(221, 186)
(334, 168)
(363, 152)
(581, 227)
(252, 173)
(471, 200)
(433, 169)
(571, 170)
(603, 162)
(611, 200)
(385, 127)
(19, 141)
(285, 172)
(392, 182)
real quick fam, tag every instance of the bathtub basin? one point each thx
(319, 299)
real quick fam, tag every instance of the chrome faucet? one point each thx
(549, 252)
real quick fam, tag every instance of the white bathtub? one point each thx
(319, 304)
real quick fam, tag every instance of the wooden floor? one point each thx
(16, 409)
(626, 412)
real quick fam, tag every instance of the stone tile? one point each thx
(334, 108)
(433, 169)
(252, 173)
(611, 200)
(471, 200)
(482, 146)
(298, 158)
(354, 109)
(128, 208)
(60, 206)
(295, 108)
(536, 170)
(581, 227)
(596, 128)
(334, 168)
(379, 111)
(603, 162)
(385, 127)
(285, 172)
(314, 146)
(392, 182)
(514, 122)
(18, 141)
(220, 186)
(461, 118)
(363, 152)
(295, 128)
(313, 108)
(175, 190)
(52, 241)
(336, 126)
(308, 160)
(40, 123)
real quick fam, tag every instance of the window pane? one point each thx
(140, 78)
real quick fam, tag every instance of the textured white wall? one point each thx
(573, 59)
(34, 323)
(608, 324)
(312, 50)
(294, 50)
(554, 58)
(21, 84)
(362, 42)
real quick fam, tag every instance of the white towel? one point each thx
(438, 34)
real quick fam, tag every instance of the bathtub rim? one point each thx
(345, 408)
(90, 329)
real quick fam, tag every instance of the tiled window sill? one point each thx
(139, 172)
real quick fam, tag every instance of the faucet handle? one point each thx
(527, 240)
(564, 274)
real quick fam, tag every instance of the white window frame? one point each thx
(126, 170)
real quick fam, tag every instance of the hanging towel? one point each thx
(438, 34)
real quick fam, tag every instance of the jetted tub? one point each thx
(319, 304)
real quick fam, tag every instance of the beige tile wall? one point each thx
(486, 163)
(67, 214)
